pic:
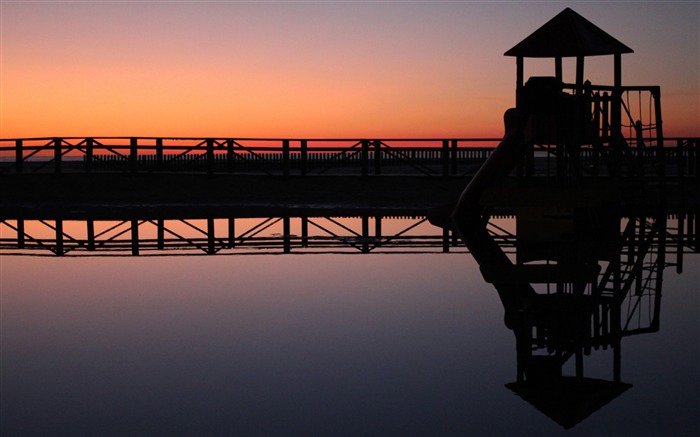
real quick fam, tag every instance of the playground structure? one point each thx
(579, 261)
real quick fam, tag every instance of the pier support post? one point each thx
(57, 155)
(134, 237)
(19, 156)
(453, 158)
(365, 234)
(211, 240)
(377, 157)
(304, 156)
(304, 231)
(445, 158)
(160, 231)
(285, 158)
(90, 235)
(20, 233)
(365, 158)
(286, 231)
(133, 154)
(210, 156)
(231, 232)
(229, 155)
(159, 154)
(59, 237)
(89, 153)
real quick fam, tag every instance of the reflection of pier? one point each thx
(318, 233)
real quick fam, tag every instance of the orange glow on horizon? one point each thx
(295, 70)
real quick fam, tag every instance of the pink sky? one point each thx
(310, 69)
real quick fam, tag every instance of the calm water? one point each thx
(304, 345)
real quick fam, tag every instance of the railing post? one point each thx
(133, 154)
(454, 157)
(378, 157)
(57, 155)
(19, 156)
(365, 158)
(89, 152)
(285, 158)
(210, 156)
(159, 154)
(229, 155)
(445, 158)
(304, 156)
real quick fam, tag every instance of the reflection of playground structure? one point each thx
(574, 287)
(323, 231)
(592, 239)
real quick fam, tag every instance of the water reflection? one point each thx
(576, 282)
(336, 345)
(141, 233)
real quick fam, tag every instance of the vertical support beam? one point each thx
(159, 154)
(20, 233)
(519, 81)
(133, 154)
(57, 155)
(365, 234)
(229, 155)
(211, 240)
(59, 237)
(579, 362)
(445, 240)
(445, 158)
(616, 105)
(304, 156)
(558, 69)
(286, 234)
(285, 158)
(19, 156)
(681, 241)
(453, 157)
(160, 225)
(304, 231)
(579, 74)
(231, 232)
(89, 153)
(210, 156)
(378, 228)
(365, 158)
(377, 157)
(661, 159)
(134, 237)
(90, 235)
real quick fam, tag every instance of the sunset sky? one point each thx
(311, 69)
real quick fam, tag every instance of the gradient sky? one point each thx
(311, 69)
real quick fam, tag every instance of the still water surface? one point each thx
(319, 344)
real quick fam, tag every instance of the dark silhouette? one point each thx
(591, 234)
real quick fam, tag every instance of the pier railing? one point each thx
(278, 157)
(672, 157)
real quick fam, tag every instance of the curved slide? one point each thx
(467, 215)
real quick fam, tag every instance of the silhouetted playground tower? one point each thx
(569, 116)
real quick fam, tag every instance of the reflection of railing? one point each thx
(257, 235)
(283, 157)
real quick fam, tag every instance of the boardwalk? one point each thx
(316, 157)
